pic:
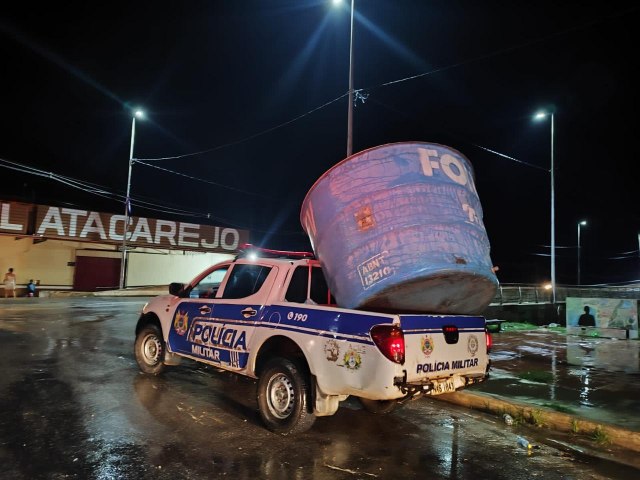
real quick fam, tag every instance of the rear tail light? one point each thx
(489, 340)
(390, 340)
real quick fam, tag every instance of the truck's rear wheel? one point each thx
(379, 407)
(149, 350)
(284, 397)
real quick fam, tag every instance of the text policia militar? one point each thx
(442, 366)
(84, 225)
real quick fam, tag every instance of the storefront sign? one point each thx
(86, 225)
(14, 217)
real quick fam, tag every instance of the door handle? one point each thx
(204, 310)
(248, 312)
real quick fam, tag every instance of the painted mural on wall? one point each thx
(602, 313)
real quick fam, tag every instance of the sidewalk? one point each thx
(584, 388)
(127, 292)
(541, 417)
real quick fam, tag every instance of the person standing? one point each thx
(586, 319)
(10, 283)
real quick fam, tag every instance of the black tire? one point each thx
(284, 397)
(378, 407)
(149, 349)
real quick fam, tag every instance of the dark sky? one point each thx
(218, 76)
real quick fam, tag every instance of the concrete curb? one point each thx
(545, 417)
(107, 293)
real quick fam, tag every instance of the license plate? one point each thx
(443, 386)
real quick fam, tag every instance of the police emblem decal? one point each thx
(332, 350)
(352, 360)
(472, 345)
(181, 323)
(426, 344)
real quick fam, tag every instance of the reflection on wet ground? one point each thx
(596, 378)
(74, 405)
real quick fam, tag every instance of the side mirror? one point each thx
(176, 288)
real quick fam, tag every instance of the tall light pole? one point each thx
(539, 116)
(127, 201)
(350, 111)
(580, 224)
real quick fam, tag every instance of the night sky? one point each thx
(250, 96)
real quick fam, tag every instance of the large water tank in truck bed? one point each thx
(399, 228)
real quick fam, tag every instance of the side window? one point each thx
(299, 285)
(208, 286)
(245, 280)
(297, 291)
(319, 289)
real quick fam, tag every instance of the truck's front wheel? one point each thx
(284, 397)
(149, 349)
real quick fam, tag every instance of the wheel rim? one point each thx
(151, 349)
(280, 395)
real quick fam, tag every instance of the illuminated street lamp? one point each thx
(127, 202)
(580, 224)
(540, 116)
(350, 111)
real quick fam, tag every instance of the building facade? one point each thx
(75, 249)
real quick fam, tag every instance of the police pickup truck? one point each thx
(270, 315)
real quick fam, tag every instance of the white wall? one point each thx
(49, 262)
(46, 261)
(164, 268)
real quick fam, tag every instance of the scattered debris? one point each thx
(353, 472)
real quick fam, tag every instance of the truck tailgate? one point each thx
(444, 347)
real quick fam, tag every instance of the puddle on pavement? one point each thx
(596, 378)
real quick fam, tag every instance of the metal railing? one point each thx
(527, 293)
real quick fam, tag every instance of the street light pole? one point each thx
(553, 213)
(127, 201)
(580, 224)
(350, 106)
(350, 112)
(553, 207)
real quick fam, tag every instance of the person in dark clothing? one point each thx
(31, 289)
(586, 319)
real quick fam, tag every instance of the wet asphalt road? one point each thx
(74, 405)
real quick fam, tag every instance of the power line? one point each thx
(510, 158)
(135, 160)
(502, 51)
(250, 137)
(361, 91)
(98, 190)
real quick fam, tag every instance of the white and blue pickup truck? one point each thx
(272, 317)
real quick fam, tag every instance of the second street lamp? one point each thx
(127, 201)
(580, 224)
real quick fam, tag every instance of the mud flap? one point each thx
(323, 404)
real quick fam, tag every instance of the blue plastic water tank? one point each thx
(399, 228)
